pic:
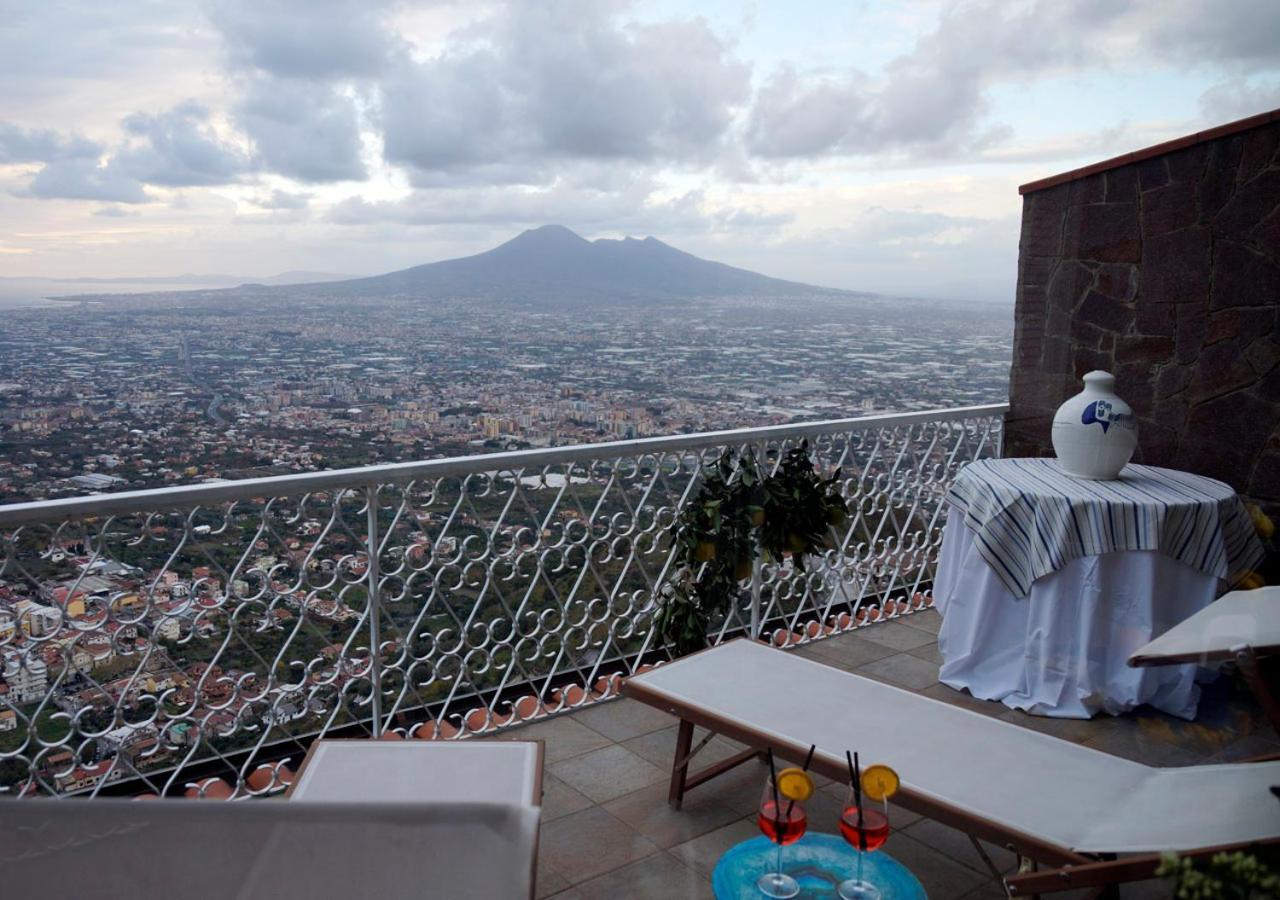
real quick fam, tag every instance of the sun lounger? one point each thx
(1243, 626)
(420, 772)
(289, 851)
(1049, 800)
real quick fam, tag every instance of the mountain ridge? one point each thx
(553, 262)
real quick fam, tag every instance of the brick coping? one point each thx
(1125, 159)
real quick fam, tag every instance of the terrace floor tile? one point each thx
(656, 877)
(563, 737)
(608, 773)
(621, 720)
(558, 799)
(899, 636)
(846, 651)
(902, 670)
(702, 853)
(926, 620)
(585, 844)
(647, 811)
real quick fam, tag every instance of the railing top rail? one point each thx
(217, 493)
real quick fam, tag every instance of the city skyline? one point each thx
(872, 146)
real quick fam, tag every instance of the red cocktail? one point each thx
(785, 823)
(868, 833)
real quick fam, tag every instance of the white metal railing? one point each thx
(151, 636)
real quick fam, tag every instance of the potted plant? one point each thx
(801, 509)
(714, 551)
(736, 513)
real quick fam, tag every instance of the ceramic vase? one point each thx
(1095, 432)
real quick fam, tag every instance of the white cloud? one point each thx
(86, 179)
(541, 86)
(179, 148)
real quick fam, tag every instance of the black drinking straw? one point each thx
(807, 760)
(857, 795)
(773, 779)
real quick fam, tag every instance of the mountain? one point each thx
(553, 264)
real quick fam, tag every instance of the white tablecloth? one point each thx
(1061, 651)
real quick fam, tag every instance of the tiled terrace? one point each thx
(607, 831)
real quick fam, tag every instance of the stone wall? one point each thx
(1163, 268)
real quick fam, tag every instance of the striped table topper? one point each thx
(1029, 518)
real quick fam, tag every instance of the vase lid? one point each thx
(1101, 379)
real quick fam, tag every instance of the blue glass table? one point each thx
(817, 861)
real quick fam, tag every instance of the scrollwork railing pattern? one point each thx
(154, 636)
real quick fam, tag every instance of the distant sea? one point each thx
(25, 293)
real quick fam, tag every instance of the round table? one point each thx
(817, 861)
(1048, 583)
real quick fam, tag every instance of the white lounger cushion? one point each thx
(268, 849)
(1240, 617)
(420, 772)
(1060, 792)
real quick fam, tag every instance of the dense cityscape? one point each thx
(167, 389)
(128, 651)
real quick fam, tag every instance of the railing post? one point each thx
(755, 598)
(375, 606)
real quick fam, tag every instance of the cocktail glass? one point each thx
(866, 827)
(784, 822)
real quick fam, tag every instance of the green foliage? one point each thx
(736, 513)
(714, 547)
(1224, 876)
(800, 509)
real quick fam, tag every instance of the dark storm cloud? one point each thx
(178, 148)
(562, 82)
(27, 145)
(308, 132)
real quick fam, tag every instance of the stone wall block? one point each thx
(1042, 215)
(1231, 423)
(1153, 173)
(1069, 283)
(1176, 269)
(1085, 360)
(1188, 163)
(1103, 312)
(1171, 381)
(1122, 185)
(1157, 349)
(1258, 148)
(1168, 209)
(1118, 281)
(1243, 277)
(1190, 331)
(1264, 485)
(1263, 354)
(1220, 370)
(1155, 318)
(1217, 186)
(1104, 232)
(1250, 207)
(1090, 189)
(1156, 443)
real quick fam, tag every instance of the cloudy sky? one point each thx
(869, 145)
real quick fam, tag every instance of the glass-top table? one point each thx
(817, 861)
